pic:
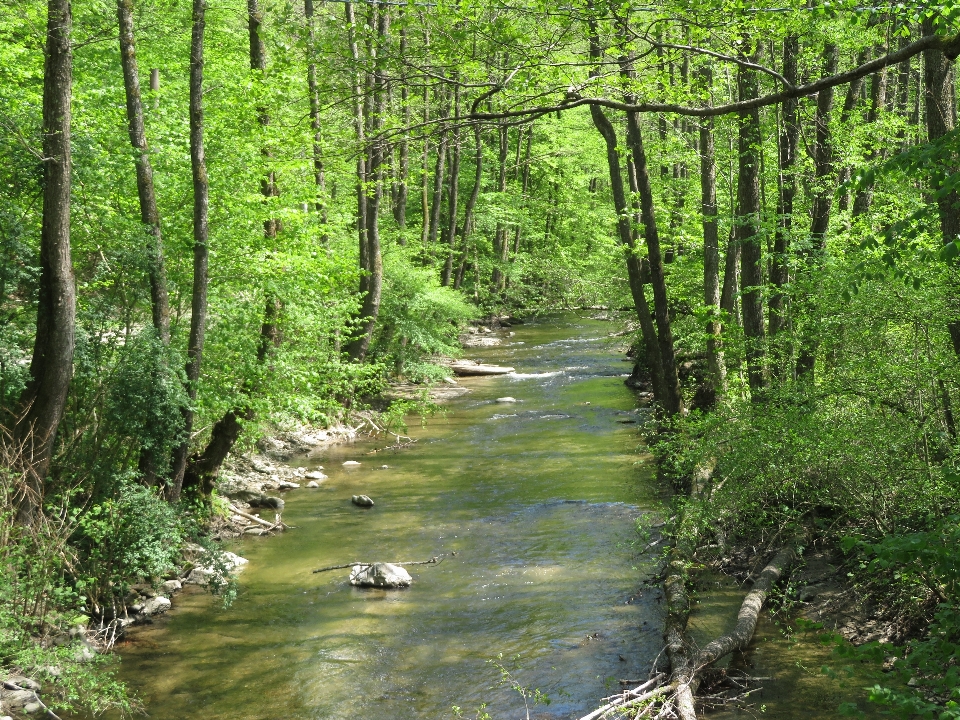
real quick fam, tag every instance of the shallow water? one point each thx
(539, 499)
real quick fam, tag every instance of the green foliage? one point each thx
(132, 535)
(147, 397)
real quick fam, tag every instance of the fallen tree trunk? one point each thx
(686, 670)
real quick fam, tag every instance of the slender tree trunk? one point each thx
(787, 190)
(371, 282)
(524, 187)
(673, 399)
(400, 205)
(730, 292)
(425, 176)
(940, 105)
(438, 175)
(149, 215)
(42, 401)
(716, 368)
(319, 179)
(635, 271)
(453, 196)
(849, 105)
(878, 101)
(471, 205)
(749, 233)
(201, 208)
(822, 199)
(499, 237)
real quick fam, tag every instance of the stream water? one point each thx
(538, 498)
(540, 501)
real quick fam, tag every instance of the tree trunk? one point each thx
(318, 170)
(400, 203)
(371, 282)
(849, 105)
(878, 101)
(635, 271)
(749, 233)
(524, 186)
(438, 175)
(499, 237)
(471, 205)
(822, 199)
(730, 292)
(42, 401)
(940, 104)
(717, 372)
(787, 190)
(453, 193)
(201, 207)
(673, 399)
(149, 215)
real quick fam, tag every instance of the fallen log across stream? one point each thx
(675, 696)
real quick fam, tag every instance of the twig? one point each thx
(435, 560)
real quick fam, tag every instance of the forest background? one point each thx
(217, 220)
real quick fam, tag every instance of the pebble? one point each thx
(315, 475)
(384, 467)
(507, 399)
(362, 501)
(313, 484)
(350, 463)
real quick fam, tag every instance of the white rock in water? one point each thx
(362, 501)
(313, 484)
(315, 475)
(381, 575)
(156, 605)
(507, 399)
(171, 586)
(287, 485)
(350, 463)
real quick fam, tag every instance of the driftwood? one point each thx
(469, 367)
(260, 521)
(435, 560)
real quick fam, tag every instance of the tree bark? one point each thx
(471, 205)
(749, 233)
(42, 401)
(940, 105)
(878, 101)
(822, 199)
(453, 193)
(149, 215)
(716, 368)
(787, 190)
(499, 237)
(401, 192)
(438, 175)
(371, 281)
(201, 209)
(319, 179)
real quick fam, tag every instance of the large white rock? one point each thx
(507, 399)
(315, 475)
(351, 463)
(155, 605)
(380, 575)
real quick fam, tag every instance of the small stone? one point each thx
(506, 400)
(261, 467)
(361, 501)
(31, 708)
(315, 475)
(6, 717)
(170, 587)
(351, 463)
(313, 484)
(384, 467)
(287, 485)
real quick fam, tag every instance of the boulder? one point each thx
(170, 587)
(17, 699)
(315, 475)
(265, 501)
(313, 484)
(380, 575)
(155, 606)
(260, 466)
(202, 575)
(362, 501)
(287, 485)
(351, 463)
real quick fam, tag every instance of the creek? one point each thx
(540, 501)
